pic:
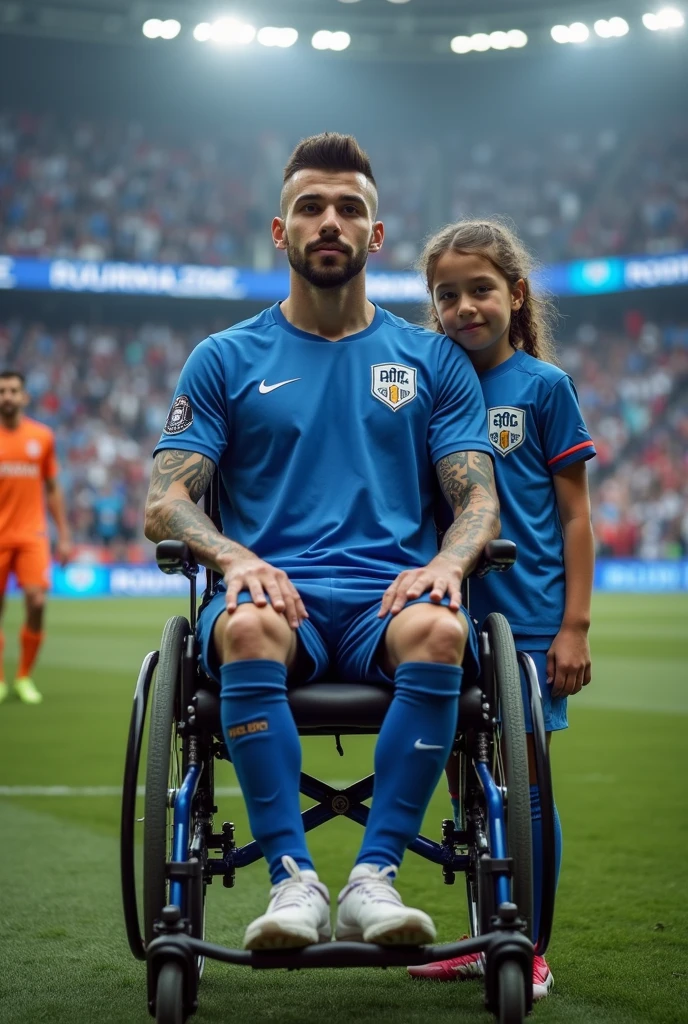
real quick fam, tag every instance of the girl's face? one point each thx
(474, 302)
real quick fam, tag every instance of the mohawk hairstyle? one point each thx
(328, 151)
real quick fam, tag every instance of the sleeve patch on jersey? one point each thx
(506, 427)
(180, 416)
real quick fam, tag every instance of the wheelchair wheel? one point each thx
(164, 771)
(512, 995)
(128, 815)
(544, 781)
(169, 997)
(510, 756)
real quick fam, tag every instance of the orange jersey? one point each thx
(27, 460)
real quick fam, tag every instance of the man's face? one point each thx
(13, 398)
(328, 227)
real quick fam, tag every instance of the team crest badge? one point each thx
(393, 384)
(506, 427)
(180, 416)
(33, 448)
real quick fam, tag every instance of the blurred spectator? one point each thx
(121, 191)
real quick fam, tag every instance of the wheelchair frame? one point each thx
(175, 957)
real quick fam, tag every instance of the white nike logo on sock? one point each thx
(419, 745)
(265, 389)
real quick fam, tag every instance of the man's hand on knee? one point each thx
(261, 579)
(442, 576)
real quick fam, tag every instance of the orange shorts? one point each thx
(30, 563)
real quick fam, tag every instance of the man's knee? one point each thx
(252, 632)
(428, 633)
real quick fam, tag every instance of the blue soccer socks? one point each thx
(264, 746)
(412, 749)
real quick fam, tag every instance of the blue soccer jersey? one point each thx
(536, 429)
(326, 450)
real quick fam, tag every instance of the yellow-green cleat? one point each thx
(4, 691)
(25, 689)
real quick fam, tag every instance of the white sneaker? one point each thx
(370, 910)
(298, 913)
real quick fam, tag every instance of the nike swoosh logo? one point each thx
(265, 389)
(419, 745)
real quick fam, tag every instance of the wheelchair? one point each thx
(183, 852)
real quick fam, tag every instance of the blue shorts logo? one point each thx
(506, 427)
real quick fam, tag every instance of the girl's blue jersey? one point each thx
(536, 429)
(327, 451)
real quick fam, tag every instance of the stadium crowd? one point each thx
(105, 391)
(122, 191)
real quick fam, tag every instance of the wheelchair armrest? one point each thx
(175, 556)
(497, 556)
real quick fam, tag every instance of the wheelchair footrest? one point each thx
(328, 954)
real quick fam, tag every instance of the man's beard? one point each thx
(333, 276)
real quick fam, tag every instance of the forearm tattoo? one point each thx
(175, 515)
(467, 482)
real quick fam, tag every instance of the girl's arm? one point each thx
(568, 659)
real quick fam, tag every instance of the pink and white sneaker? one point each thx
(542, 978)
(457, 968)
(461, 968)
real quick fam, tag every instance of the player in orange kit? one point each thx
(28, 482)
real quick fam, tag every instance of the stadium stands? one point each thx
(124, 191)
(105, 390)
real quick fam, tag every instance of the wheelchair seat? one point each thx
(334, 708)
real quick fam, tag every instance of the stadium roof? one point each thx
(379, 29)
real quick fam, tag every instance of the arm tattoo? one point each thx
(190, 469)
(467, 482)
(174, 514)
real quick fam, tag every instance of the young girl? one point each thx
(477, 276)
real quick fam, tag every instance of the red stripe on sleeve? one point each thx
(569, 451)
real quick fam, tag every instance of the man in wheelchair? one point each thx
(330, 422)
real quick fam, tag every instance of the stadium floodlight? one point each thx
(560, 33)
(499, 40)
(326, 40)
(574, 33)
(480, 41)
(667, 18)
(231, 32)
(203, 31)
(461, 44)
(619, 26)
(339, 40)
(152, 28)
(613, 27)
(283, 37)
(495, 40)
(578, 32)
(517, 38)
(170, 29)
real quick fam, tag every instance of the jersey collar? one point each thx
(373, 326)
(509, 364)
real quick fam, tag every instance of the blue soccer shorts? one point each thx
(342, 634)
(553, 708)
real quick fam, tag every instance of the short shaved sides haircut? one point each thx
(331, 152)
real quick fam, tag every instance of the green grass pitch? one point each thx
(620, 947)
